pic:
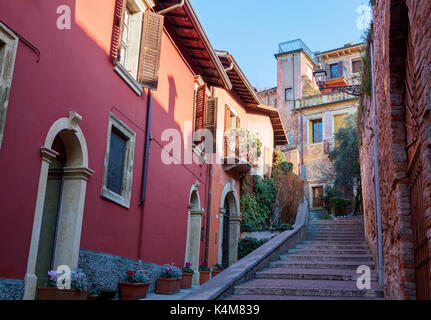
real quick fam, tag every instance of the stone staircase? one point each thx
(322, 268)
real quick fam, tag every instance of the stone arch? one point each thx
(70, 201)
(194, 225)
(229, 197)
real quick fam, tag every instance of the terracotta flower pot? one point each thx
(186, 281)
(48, 293)
(93, 297)
(204, 276)
(168, 286)
(216, 272)
(133, 291)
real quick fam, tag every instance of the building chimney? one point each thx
(348, 44)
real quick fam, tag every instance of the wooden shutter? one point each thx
(200, 109)
(211, 120)
(238, 122)
(151, 44)
(227, 118)
(120, 9)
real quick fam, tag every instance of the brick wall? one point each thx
(391, 21)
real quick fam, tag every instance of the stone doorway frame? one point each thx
(229, 192)
(194, 226)
(76, 174)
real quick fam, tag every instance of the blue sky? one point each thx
(251, 30)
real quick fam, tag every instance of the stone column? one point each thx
(235, 223)
(30, 279)
(72, 210)
(195, 241)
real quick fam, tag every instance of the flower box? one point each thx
(216, 272)
(186, 281)
(52, 293)
(133, 291)
(204, 276)
(168, 286)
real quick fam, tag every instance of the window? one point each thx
(309, 72)
(316, 131)
(8, 49)
(136, 44)
(125, 37)
(117, 174)
(334, 70)
(356, 66)
(317, 196)
(288, 94)
(231, 122)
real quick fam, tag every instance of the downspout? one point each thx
(164, 11)
(145, 170)
(377, 178)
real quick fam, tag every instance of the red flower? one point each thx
(131, 273)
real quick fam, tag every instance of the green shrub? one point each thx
(248, 245)
(251, 212)
(327, 216)
(339, 205)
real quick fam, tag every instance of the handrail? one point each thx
(245, 269)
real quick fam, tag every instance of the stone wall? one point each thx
(107, 270)
(11, 289)
(391, 21)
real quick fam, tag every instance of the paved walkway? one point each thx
(322, 268)
(177, 296)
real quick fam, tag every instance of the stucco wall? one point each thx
(75, 73)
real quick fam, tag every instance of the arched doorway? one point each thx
(194, 226)
(60, 201)
(229, 226)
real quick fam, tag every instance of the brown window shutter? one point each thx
(238, 122)
(120, 9)
(151, 45)
(211, 120)
(227, 118)
(200, 110)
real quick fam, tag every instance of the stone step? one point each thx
(321, 245)
(323, 257)
(329, 251)
(332, 242)
(336, 237)
(297, 264)
(322, 288)
(285, 297)
(311, 274)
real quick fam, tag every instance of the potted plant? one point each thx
(135, 285)
(218, 268)
(94, 292)
(187, 276)
(169, 281)
(78, 287)
(204, 273)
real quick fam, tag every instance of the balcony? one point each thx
(238, 151)
(323, 99)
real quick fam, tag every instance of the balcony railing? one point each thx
(322, 99)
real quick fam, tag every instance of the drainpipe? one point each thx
(147, 146)
(377, 178)
(164, 11)
(145, 170)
